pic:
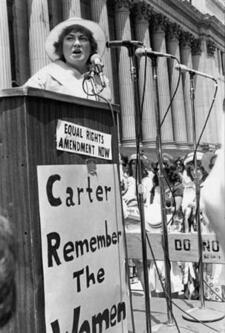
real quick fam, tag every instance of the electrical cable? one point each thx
(129, 285)
(174, 94)
(214, 292)
(206, 120)
(160, 279)
(97, 94)
(89, 76)
(144, 87)
(156, 140)
(154, 260)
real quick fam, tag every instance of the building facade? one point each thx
(191, 31)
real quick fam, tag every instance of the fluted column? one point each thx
(71, 8)
(142, 13)
(123, 32)
(178, 111)
(186, 59)
(159, 24)
(21, 42)
(201, 100)
(55, 13)
(210, 86)
(100, 15)
(5, 64)
(38, 31)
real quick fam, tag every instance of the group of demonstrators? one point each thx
(179, 179)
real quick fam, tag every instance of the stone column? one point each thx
(142, 14)
(21, 42)
(178, 111)
(159, 24)
(71, 8)
(210, 86)
(5, 63)
(186, 59)
(123, 32)
(100, 15)
(201, 100)
(55, 13)
(38, 32)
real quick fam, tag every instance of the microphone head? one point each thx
(181, 67)
(96, 59)
(140, 51)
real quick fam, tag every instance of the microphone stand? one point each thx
(162, 193)
(202, 313)
(131, 53)
(171, 324)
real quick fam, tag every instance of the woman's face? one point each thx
(76, 50)
(199, 173)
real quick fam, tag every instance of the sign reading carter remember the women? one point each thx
(83, 140)
(82, 249)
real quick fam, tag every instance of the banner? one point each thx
(82, 249)
(83, 140)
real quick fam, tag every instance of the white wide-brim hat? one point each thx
(55, 33)
(189, 157)
(134, 157)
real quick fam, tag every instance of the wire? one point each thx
(207, 118)
(213, 291)
(157, 270)
(111, 108)
(144, 87)
(160, 279)
(89, 77)
(174, 94)
(195, 319)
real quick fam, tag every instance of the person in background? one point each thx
(189, 188)
(130, 196)
(72, 46)
(213, 196)
(123, 174)
(131, 207)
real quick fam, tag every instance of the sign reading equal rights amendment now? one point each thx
(82, 249)
(78, 139)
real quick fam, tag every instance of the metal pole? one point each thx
(162, 194)
(197, 194)
(138, 131)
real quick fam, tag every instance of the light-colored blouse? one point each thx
(61, 78)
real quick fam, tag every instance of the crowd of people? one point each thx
(179, 178)
(70, 46)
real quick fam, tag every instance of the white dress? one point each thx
(189, 191)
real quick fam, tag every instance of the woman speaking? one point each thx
(75, 47)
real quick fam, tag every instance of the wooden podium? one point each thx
(28, 121)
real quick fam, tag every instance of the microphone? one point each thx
(141, 51)
(127, 43)
(96, 61)
(184, 68)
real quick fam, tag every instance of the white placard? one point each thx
(82, 249)
(78, 139)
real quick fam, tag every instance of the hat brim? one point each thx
(54, 34)
(190, 158)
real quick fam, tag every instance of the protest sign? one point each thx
(82, 249)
